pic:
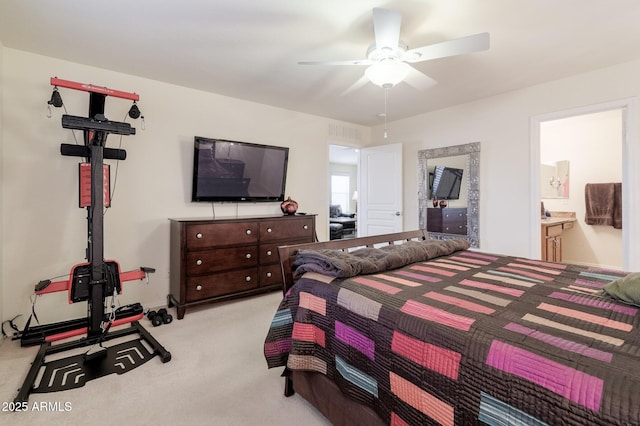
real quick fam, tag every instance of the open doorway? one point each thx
(630, 176)
(576, 152)
(343, 208)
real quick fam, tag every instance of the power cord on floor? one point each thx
(13, 326)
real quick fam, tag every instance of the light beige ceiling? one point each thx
(249, 49)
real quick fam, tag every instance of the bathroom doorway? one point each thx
(627, 167)
(574, 152)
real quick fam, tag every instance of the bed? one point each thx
(399, 329)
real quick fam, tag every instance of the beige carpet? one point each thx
(217, 376)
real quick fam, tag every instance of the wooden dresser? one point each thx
(220, 259)
(447, 220)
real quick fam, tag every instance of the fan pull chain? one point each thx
(386, 90)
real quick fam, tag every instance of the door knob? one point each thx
(397, 213)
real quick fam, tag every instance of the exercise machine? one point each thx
(93, 281)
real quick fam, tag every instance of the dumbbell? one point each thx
(160, 317)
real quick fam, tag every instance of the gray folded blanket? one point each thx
(342, 264)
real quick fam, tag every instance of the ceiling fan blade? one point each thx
(459, 46)
(386, 27)
(355, 86)
(353, 62)
(419, 80)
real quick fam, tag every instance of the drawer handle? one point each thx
(268, 274)
(268, 252)
(248, 231)
(306, 227)
(199, 262)
(198, 287)
(247, 278)
(248, 255)
(198, 235)
(269, 230)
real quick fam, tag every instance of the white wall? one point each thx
(592, 144)
(501, 124)
(44, 231)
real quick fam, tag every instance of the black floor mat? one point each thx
(73, 372)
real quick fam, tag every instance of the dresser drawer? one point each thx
(207, 261)
(276, 230)
(454, 214)
(454, 221)
(268, 254)
(269, 275)
(455, 228)
(198, 288)
(220, 234)
(554, 230)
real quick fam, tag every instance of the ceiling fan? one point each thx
(388, 58)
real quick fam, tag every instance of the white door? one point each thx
(380, 193)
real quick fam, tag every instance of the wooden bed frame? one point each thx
(317, 389)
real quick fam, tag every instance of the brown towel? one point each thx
(617, 205)
(603, 204)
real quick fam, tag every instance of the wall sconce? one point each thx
(554, 182)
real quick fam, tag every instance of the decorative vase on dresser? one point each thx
(289, 206)
(213, 260)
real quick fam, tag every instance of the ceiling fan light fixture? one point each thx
(387, 74)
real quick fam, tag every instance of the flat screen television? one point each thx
(446, 183)
(226, 170)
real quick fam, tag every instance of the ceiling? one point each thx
(249, 49)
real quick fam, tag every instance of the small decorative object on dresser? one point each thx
(220, 259)
(289, 206)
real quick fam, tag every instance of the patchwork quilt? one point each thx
(467, 338)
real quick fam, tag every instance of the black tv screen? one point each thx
(446, 183)
(226, 170)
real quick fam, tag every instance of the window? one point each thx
(340, 191)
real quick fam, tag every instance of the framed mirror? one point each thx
(554, 179)
(449, 192)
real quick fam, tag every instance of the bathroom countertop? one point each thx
(557, 218)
